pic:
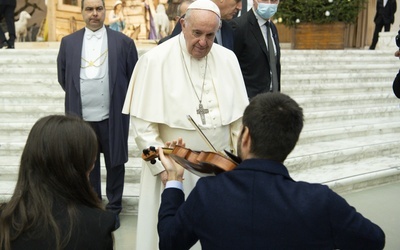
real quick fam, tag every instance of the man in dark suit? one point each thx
(94, 68)
(7, 8)
(258, 205)
(224, 37)
(384, 17)
(250, 47)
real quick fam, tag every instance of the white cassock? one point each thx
(160, 96)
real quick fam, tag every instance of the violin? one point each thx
(200, 163)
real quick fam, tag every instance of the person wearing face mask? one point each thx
(256, 45)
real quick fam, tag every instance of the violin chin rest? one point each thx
(233, 157)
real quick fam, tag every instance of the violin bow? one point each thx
(201, 133)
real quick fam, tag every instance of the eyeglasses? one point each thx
(92, 9)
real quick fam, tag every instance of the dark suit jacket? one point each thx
(122, 57)
(8, 2)
(226, 34)
(396, 85)
(385, 14)
(258, 206)
(93, 230)
(251, 51)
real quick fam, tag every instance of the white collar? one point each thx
(98, 33)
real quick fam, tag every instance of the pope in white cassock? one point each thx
(186, 75)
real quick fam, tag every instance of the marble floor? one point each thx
(380, 204)
(125, 236)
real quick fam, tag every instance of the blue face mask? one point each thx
(266, 10)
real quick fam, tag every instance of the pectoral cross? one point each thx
(201, 111)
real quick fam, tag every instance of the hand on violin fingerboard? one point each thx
(174, 170)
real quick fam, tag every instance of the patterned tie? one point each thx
(272, 59)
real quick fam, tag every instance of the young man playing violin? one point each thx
(258, 205)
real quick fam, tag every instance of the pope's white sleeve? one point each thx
(146, 134)
(235, 128)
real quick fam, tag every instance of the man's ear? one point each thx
(246, 140)
(182, 20)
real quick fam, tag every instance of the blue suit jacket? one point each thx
(258, 206)
(252, 53)
(122, 57)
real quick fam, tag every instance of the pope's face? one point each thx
(93, 13)
(199, 28)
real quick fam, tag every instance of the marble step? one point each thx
(316, 67)
(308, 154)
(18, 129)
(328, 72)
(350, 139)
(49, 88)
(49, 67)
(351, 149)
(9, 166)
(54, 102)
(46, 83)
(15, 145)
(294, 56)
(345, 89)
(337, 78)
(22, 118)
(34, 55)
(355, 54)
(130, 197)
(323, 101)
(334, 131)
(354, 175)
(32, 72)
(13, 135)
(347, 177)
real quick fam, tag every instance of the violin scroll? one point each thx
(151, 154)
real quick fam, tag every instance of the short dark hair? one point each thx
(274, 121)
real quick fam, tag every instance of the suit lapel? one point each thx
(256, 31)
(276, 38)
(112, 60)
(227, 35)
(76, 59)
